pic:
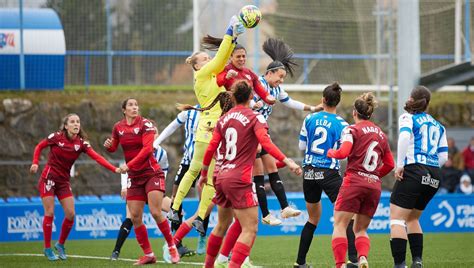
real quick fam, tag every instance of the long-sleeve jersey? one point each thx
(136, 140)
(63, 153)
(422, 140)
(190, 121)
(279, 94)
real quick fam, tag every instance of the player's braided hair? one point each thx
(281, 54)
(365, 105)
(224, 98)
(419, 99)
(332, 94)
(82, 134)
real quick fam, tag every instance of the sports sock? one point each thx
(399, 249)
(362, 244)
(166, 231)
(278, 189)
(213, 246)
(206, 225)
(47, 230)
(339, 248)
(65, 230)
(306, 238)
(182, 232)
(351, 248)
(207, 195)
(261, 195)
(416, 245)
(239, 253)
(142, 238)
(124, 231)
(231, 237)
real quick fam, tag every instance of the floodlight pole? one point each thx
(408, 27)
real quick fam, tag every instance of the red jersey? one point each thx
(242, 74)
(137, 144)
(63, 153)
(370, 151)
(240, 130)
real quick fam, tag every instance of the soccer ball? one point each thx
(250, 16)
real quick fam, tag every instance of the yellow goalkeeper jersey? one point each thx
(206, 89)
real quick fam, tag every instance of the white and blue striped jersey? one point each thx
(427, 138)
(190, 120)
(162, 158)
(277, 92)
(320, 132)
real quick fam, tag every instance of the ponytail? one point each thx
(281, 54)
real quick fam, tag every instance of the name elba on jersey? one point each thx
(375, 130)
(323, 122)
(237, 116)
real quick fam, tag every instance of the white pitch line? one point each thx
(92, 257)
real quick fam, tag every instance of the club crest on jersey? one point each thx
(248, 77)
(121, 133)
(61, 144)
(77, 147)
(136, 130)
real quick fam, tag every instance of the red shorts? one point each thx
(235, 193)
(357, 199)
(139, 187)
(50, 187)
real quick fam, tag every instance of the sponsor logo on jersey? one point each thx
(120, 132)
(136, 130)
(77, 147)
(248, 77)
(50, 136)
(30, 225)
(428, 180)
(149, 124)
(61, 144)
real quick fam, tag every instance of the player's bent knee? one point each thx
(401, 223)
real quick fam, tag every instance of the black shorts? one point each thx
(317, 180)
(180, 174)
(420, 183)
(261, 153)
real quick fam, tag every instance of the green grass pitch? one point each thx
(441, 250)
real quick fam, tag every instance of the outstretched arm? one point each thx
(100, 160)
(170, 129)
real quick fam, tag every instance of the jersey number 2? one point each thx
(319, 141)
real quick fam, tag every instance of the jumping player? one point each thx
(66, 146)
(369, 160)
(238, 132)
(147, 181)
(208, 93)
(320, 132)
(422, 150)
